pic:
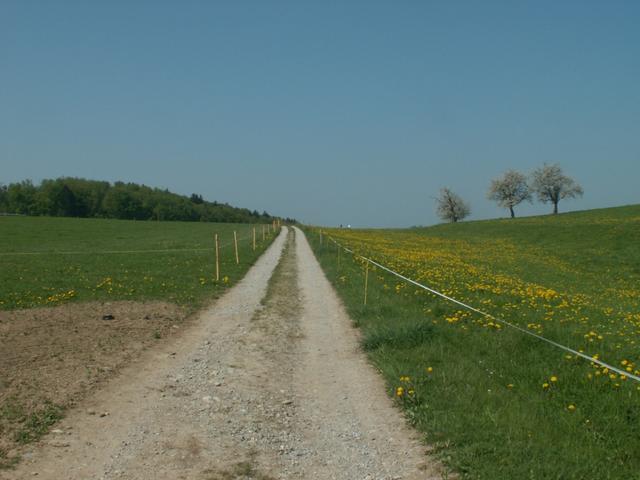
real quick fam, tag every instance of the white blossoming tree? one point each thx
(509, 190)
(551, 185)
(450, 206)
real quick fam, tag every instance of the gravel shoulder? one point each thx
(268, 383)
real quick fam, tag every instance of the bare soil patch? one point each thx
(52, 357)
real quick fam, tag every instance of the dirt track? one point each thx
(267, 384)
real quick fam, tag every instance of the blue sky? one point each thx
(330, 112)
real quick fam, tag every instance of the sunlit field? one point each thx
(50, 261)
(497, 403)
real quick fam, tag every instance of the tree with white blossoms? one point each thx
(450, 206)
(510, 190)
(551, 185)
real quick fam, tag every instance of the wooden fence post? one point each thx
(217, 259)
(235, 242)
(254, 239)
(366, 281)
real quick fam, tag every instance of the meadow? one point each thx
(494, 402)
(50, 261)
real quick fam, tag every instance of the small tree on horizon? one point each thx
(551, 185)
(450, 206)
(509, 190)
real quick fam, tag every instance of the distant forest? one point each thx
(78, 197)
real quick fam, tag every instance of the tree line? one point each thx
(548, 183)
(78, 197)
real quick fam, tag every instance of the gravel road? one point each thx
(268, 383)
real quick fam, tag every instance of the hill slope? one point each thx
(495, 401)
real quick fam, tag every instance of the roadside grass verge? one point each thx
(493, 402)
(49, 261)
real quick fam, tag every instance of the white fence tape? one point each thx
(488, 315)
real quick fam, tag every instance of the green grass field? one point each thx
(494, 402)
(46, 262)
(49, 261)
